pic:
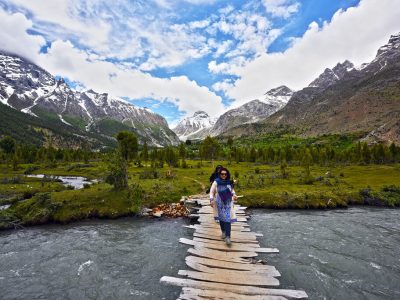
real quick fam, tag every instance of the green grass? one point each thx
(260, 185)
(281, 140)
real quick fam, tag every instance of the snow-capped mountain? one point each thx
(28, 88)
(350, 99)
(331, 76)
(277, 97)
(195, 127)
(253, 111)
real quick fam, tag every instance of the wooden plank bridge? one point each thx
(218, 271)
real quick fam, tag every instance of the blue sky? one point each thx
(177, 57)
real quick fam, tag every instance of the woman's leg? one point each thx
(227, 227)
(222, 225)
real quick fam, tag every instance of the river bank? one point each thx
(35, 201)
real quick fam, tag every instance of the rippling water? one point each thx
(116, 259)
(340, 254)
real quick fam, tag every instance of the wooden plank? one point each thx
(244, 266)
(232, 248)
(222, 256)
(240, 235)
(203, 218)
(221, 242)
(244, 290)
(222, 272)
(254, 280)
(218, 238)
(192, 294)
(215, 226)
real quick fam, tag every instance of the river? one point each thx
(336, 254)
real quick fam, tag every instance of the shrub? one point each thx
(257, 170)
(31, 169)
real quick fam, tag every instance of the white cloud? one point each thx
(92, 32)
(281, 8)
(351, 34)
(65, 60)
(14, 38)
(91, 70)
(222, 86)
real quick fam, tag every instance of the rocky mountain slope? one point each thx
(196, 127)
(346, 99)
(253, 111)
(32, 90)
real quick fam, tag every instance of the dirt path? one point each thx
(203, 187)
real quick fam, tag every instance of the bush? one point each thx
(31, 169)
(387, 196)
(257, 170)
(86, 186)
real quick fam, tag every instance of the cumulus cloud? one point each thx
(281, 8)
(54, 17)
(14, 37)
(64, 59)
(349, 35)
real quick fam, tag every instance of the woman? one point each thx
(222, 196)
(214, 176)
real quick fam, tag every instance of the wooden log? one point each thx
(241, 266)
(222, 272)
(222, 256)
(232, 248)
(254, 280)
(244, 290)
(221, 242)
(193, 294)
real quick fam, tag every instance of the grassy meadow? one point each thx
(37, 201)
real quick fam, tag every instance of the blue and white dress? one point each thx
(223, 210)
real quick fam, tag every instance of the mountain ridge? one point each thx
(30, 89)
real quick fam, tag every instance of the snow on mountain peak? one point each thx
(194, 126)
(277, 96)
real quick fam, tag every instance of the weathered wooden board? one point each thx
(216, 226)
(218, 238)
(232, 248)
(223, 256)
(222, 242)
(192, 294)
(206, 218)
(254, 280)
(244, 290)
(239, 234)
(244, 266)
(222, 272)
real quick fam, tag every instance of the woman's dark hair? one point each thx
(228, 175)
(218, 168)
